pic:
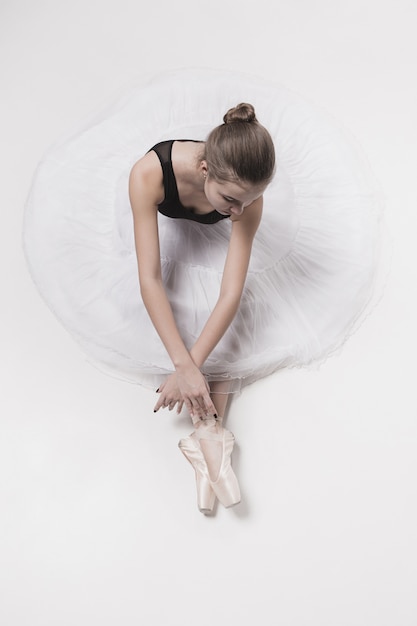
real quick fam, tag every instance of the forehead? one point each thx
(240, 190)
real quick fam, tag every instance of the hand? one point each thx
(195, 391)
(170, 394)
(188, 386)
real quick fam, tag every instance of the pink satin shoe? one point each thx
(206, 497)
(225, 486)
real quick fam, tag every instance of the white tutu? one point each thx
(314, 257)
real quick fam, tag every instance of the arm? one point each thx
(234, 276)
(146, 191)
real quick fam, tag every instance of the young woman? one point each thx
(226, 297)
(223, 178)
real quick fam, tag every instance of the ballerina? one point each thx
(223, 178)
(227, 297)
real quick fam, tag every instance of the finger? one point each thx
(159, 404)
(189, 407)
(209, 406)
(200, 409)
(206, 406)
(196, 410)
(179, 406)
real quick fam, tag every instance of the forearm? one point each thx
(215, 327)
(187, 385)
(234, 277)
(160, 312)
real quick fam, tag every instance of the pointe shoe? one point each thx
(206, 497)
(226, 486)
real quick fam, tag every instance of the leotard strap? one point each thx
(171, 205)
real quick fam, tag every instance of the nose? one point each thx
(237, 209)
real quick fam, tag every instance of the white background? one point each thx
(98, 519)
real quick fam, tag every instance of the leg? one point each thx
(219, 391)
(211, 449)
(208, 449)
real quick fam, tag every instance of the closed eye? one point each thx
(228, 199)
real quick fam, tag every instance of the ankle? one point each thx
(209, 427)
(207, 420)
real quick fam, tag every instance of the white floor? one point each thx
(98, 520)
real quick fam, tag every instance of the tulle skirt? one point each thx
(313, 268)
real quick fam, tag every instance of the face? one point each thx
(231, 198)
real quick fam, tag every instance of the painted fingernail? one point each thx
(215, 416)
(157, 391)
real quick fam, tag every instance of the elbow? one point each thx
(231, 299)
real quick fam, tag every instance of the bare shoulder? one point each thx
(146, 182)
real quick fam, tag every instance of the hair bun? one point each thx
(243, 112)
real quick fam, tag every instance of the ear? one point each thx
(203, 168)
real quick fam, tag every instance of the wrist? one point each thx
(196, 358)
(183, 364)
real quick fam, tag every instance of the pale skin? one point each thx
(197, 189)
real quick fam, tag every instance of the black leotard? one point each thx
(171, 205)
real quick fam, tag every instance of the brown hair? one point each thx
(241, 148)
